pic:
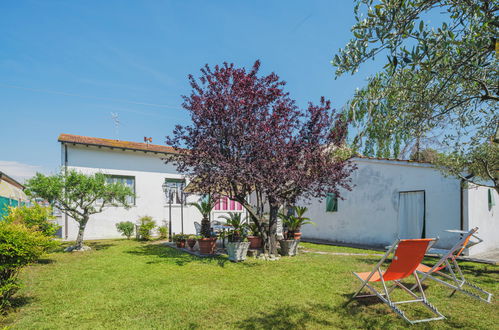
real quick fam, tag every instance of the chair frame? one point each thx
(385, 297)
(455, 275)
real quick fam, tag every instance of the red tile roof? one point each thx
(126, 145)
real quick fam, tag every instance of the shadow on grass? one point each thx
(313, 316)
(171, 255)
(288, 317)
(95, 245)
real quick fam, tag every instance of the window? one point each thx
(491, 201)
(173, 189)
(128, 181)
(224, 203)
(331, 202)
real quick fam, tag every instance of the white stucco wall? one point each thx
(368, 214)
(479, 215)
(149, 171)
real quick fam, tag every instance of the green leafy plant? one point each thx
(19, 246)
(146, 225)
(294, 222)
(179, 237)
(253, 229)
(126, 228)
(238, 224)
(205, 207)
(163, 232)
(35, 217)
(196, 237)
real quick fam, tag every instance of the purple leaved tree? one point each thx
(248, 138)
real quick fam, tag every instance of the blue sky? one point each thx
(66, 65)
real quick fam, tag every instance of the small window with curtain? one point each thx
(331, 202)
(128, 181)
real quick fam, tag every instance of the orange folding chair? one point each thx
(453, 276)
(407, 256)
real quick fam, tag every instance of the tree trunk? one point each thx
(205, 227)
(272, 233)
(81, 231)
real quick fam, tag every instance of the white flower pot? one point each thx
(237, 250)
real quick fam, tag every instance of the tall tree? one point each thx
(79, 196)
(248, 137)
(439, 84)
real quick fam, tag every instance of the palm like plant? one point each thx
(238, 224)
(205, 207)
(294, 222)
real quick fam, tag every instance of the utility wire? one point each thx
(88, 97)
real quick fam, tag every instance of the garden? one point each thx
(134, 284)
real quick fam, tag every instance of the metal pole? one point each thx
(170, 216)
(182, 210)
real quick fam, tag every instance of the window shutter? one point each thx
(491, 201)
(331, 203)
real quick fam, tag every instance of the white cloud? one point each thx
(19, 171)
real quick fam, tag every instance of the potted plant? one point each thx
(293, 223)
(179, 239)
(207, 243)
(237, 247)
(191, 241)
(254, 236)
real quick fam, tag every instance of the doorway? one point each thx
(412, 214)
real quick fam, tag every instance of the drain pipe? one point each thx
(65, 172)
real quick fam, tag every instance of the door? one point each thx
(412, 214)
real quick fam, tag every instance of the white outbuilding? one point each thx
(394, 199)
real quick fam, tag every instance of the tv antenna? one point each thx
(116, 121)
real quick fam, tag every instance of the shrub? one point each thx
(163, 232)
(126, 228)
(146, 225)
(19, 246)
(35, 217)
(179, 237)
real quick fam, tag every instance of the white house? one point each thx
(390, 199)
(142, 167)
(404, 199)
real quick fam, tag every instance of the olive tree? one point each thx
(438, 87)
(79, 196)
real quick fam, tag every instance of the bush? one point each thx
(35, 217)
(163, 232)
(19, 246)
(126, 228)
(146, 225)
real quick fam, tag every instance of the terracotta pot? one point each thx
(181, 244)
(297, 235)
(207, 245)
(191, 243)
(255, 242)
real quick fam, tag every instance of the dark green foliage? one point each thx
(35, 217)
(126, 228)
(146, 225)
(19, 246)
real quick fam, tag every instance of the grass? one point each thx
(127, 284)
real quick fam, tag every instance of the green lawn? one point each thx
(127, 284)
